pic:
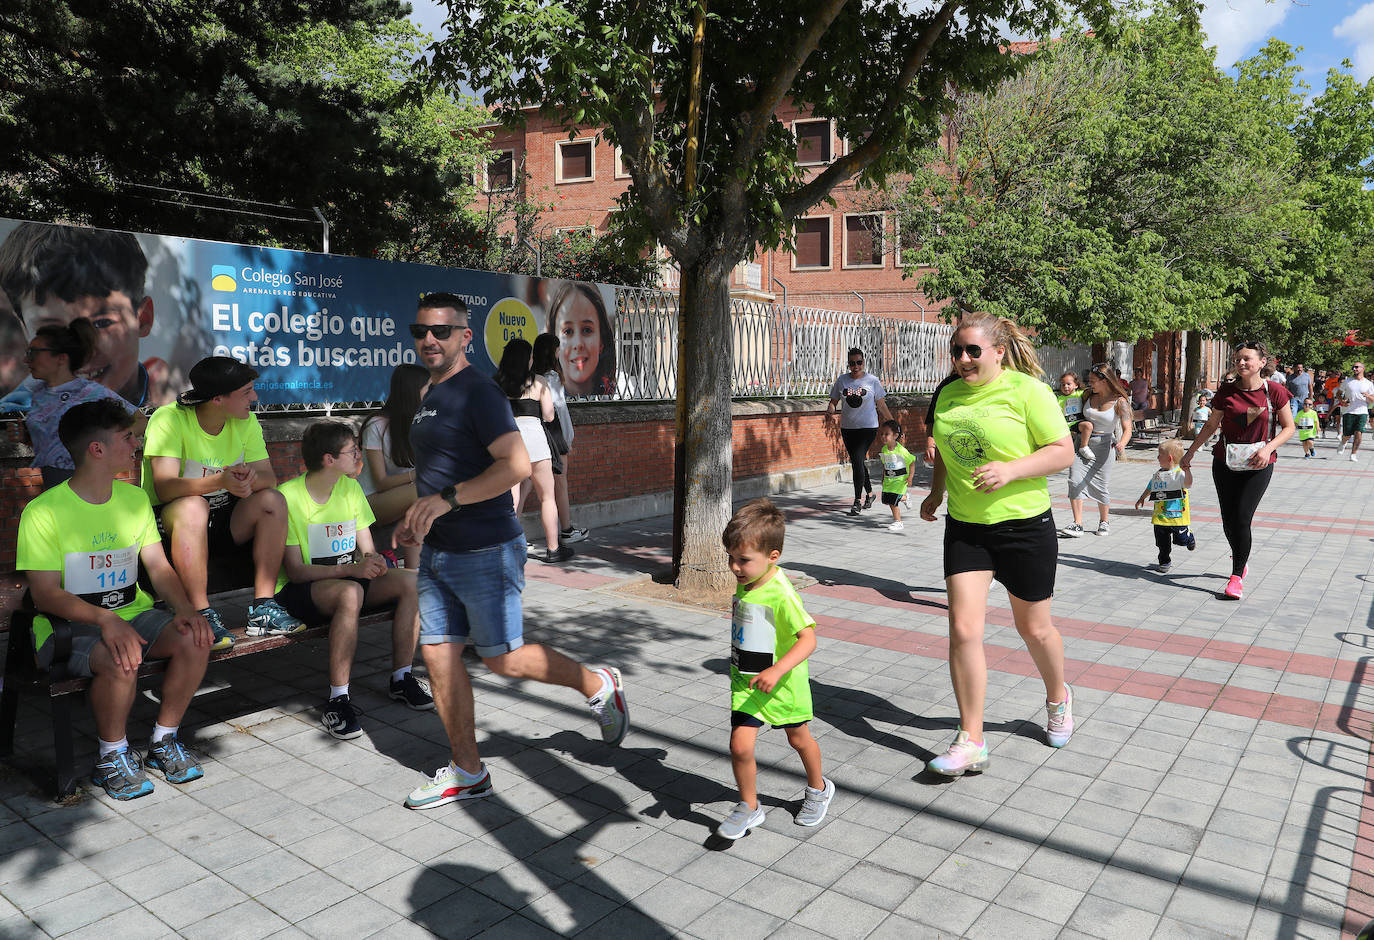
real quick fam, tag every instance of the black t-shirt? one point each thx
(456, 422)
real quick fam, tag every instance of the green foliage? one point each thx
(256, 100)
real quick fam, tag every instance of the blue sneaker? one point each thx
(121, 775)
(176, 761)
(224, 640)
(271, 617)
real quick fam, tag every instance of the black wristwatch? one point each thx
(450, 495)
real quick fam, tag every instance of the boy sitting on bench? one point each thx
(332, 570)
(206, 472)
(81, 543)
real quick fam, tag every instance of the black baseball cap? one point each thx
(216, 375)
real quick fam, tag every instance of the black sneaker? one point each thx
(556, 555)
(341, 719)
(857, 508)
(868, 500)
(571, 534)
(414, 691)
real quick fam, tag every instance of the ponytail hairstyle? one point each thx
(1020, 351)
(514, 374)
(76, 341)
(546, 355)
(1115, 388)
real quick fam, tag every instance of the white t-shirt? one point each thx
(1353, 391)
(858, 400)
(377, 436)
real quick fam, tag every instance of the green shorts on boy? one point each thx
(771, 637)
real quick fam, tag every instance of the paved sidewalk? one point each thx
(1217, 783)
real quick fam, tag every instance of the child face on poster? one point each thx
(577, 324)
(119, 324)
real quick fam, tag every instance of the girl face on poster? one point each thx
(577, 324)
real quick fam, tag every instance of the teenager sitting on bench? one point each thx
(332, 569)
(81, 544)
(206, 471)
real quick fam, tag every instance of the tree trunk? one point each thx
(703, 446)
(1192, 378)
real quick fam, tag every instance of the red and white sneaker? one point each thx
(609, 706)
(449, 786)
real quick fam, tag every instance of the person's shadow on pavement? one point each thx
(888, 588)
(1132, 572)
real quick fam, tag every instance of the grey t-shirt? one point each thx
(1300, 384)
(858, 400)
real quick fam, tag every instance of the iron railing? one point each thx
(779, 352)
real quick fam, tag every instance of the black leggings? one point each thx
(857, 441)
(1239, 492)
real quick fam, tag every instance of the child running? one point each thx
(1309, 423)
(899, 466)
(772, 635)
(1169, 490)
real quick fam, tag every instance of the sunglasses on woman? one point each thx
(440, 330)
(957, 352)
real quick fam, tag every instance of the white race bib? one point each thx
(1073, 407)
(106, 579)
(332, 543)
(892, 461)
(753, 638)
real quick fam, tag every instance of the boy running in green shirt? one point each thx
(899, 465)
(1309, 425)
(331, 570)
(771, 637)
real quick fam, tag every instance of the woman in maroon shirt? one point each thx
(1247, 411)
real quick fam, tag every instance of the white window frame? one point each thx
(585, 227)
(830, 244)
(621, 173)
(496, 154)
(558, 161)
(830, 146)
(844, 247)
(897, 243)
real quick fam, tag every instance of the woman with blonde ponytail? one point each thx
(998, 433)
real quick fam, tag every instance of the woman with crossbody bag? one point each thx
(1254, 418)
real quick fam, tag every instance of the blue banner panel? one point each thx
(318, 328)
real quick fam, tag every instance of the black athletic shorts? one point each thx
(1020, 553)
(297, 600)
(220, 538)
(746, 720)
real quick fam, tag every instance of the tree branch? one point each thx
(770, 93)
(856, 161)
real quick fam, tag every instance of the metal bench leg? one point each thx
(62, 745)
(9, 713)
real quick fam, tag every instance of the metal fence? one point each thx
(778, 351)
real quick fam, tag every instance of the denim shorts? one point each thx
(148, 625)
(473, 597)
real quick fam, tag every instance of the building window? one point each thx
(622, 172)
(813, 142)
(812, 244)
(576, 161)
(501, 172)
(863, 241)
(907, 242)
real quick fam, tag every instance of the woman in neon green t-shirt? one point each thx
(998, 433)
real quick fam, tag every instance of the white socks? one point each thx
(109, 747)
(336, 690)
(160, 732)
(399, 674)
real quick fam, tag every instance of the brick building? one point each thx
(845, 258)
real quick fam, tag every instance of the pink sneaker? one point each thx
(964, 756)
(1233, 587)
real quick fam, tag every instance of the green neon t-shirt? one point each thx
(173, 431)
(1309, 424)
(1071, 406)
(1010, 417)
(324, 534)
(897, 462)
(95, 548)
(764, 626)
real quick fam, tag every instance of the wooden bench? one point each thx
(1143, 427)
(24, 675)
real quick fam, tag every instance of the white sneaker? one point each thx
(1071, 531)
(1086, 453)
(740, 821)
(896, 526)
(815, 803)
(1159, 567)
(1354, 459)
(1341, 448)
(1103, 528)
(1059, 720)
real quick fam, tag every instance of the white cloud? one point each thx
(1234, 26)
(1358, 28)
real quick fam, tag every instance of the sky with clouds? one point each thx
(1328, 30)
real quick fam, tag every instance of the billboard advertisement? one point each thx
(318, 328)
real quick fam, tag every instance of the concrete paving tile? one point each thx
(35, 884)
(841, 917)
(1209, 909)
(195, 901)
(998, 922)
(130, 922)
(948, 909)
(675, 903)
(304, 897)
(1111, 919)
(972, 875)
(1149, 892)
(244, 921)
(80, 909)
(569, 908)
(1046, 900)
(356, 916)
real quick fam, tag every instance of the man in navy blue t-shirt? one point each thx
(468, 455)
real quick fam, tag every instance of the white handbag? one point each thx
(1238, 455)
